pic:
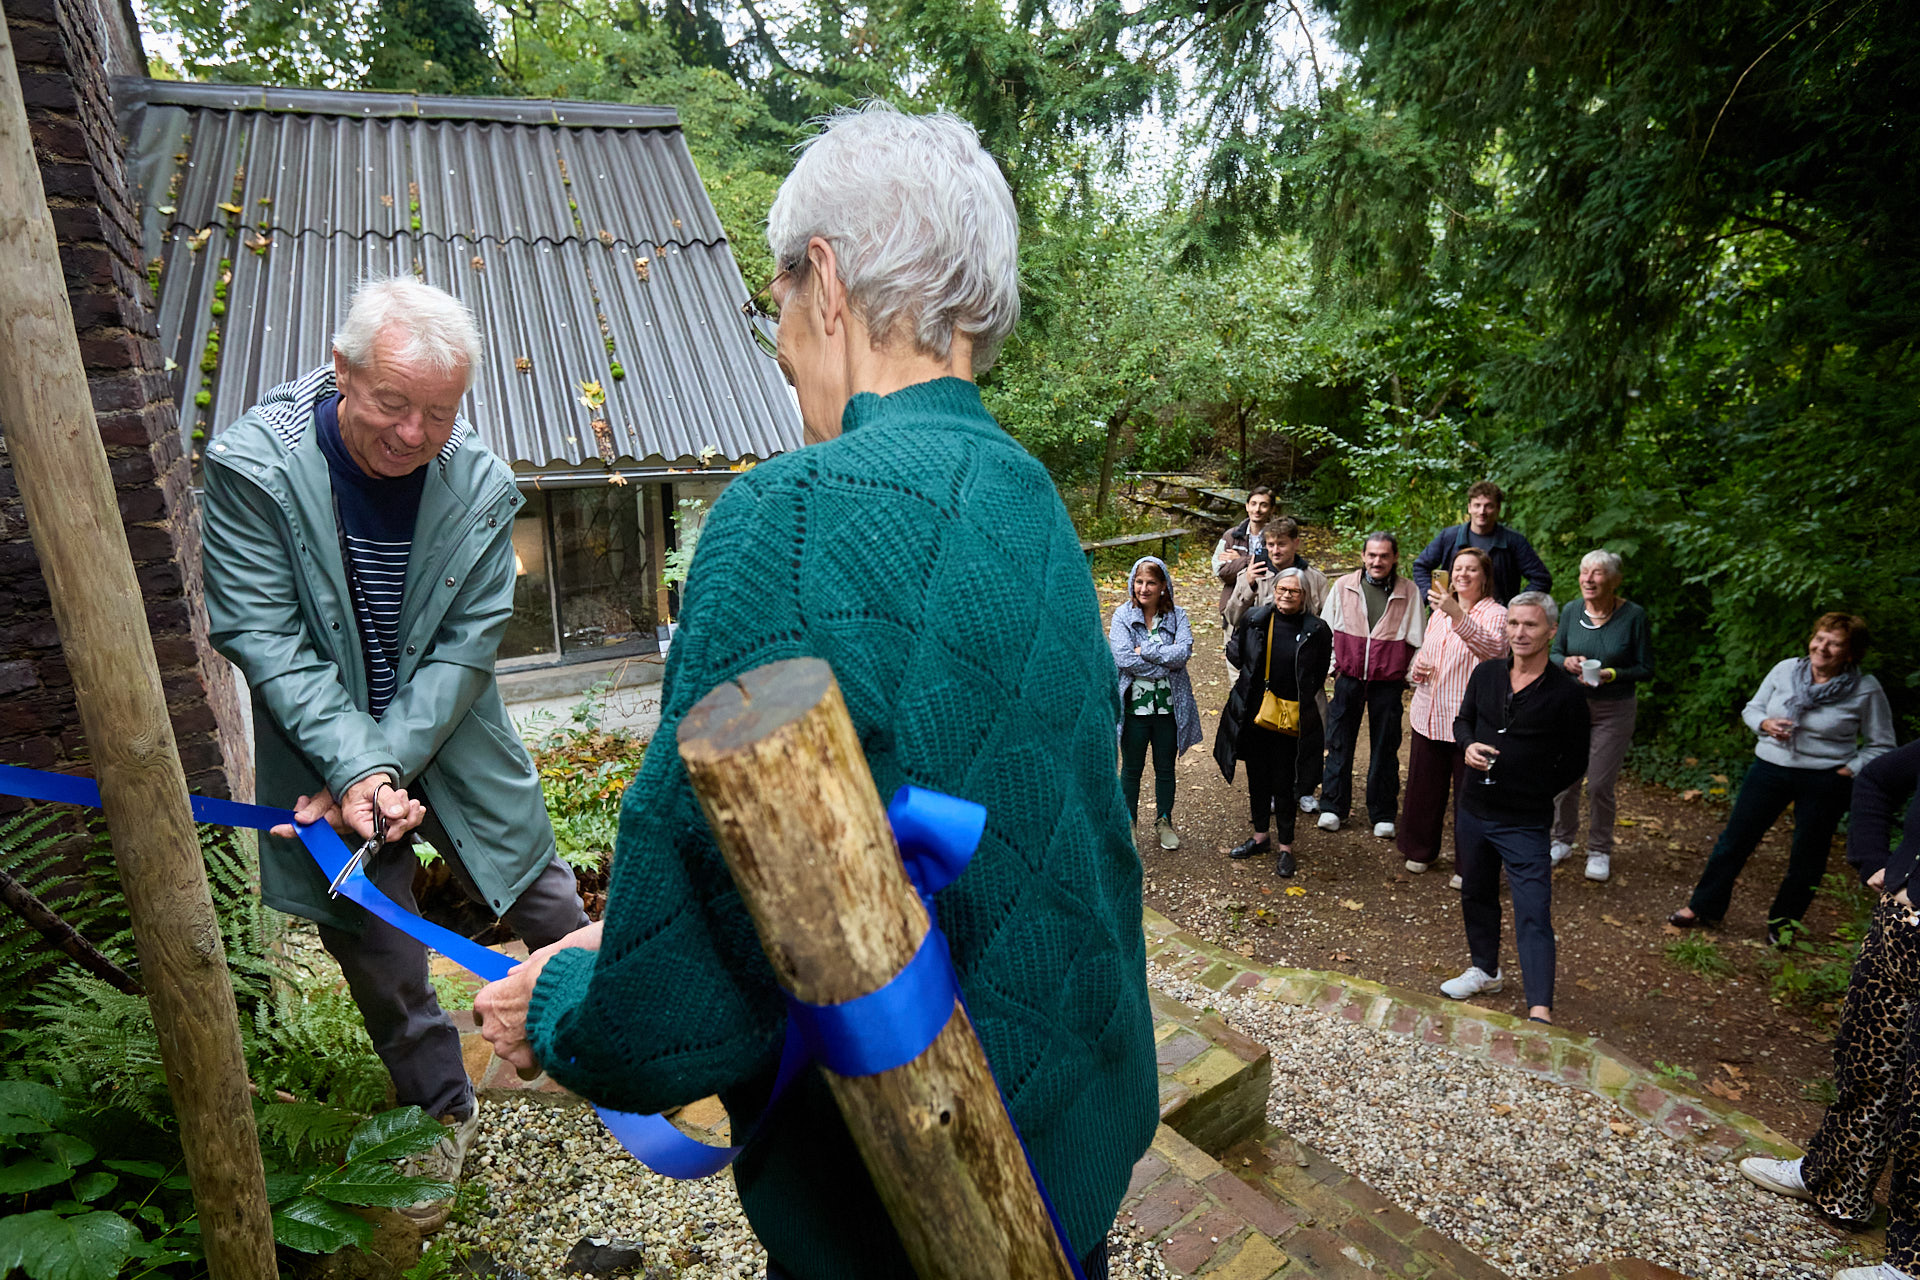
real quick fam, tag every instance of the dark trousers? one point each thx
(386, 971)
(1379, 700)
(1308, 751)
(1484, 848)
(1093, 1266)
(1432, 767)
(1270, 759)
(1136, 734)
(1876, 1072)
(1819, 798)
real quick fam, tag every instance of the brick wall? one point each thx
(65, 51)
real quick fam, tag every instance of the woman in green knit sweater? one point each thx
(896, 240)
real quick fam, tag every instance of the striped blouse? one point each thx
(1447, 656)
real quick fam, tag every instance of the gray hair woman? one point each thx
(1607, 644)
(916, 549)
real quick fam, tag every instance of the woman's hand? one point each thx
(501, 1007)
(1572, 664)
(1445, 602)
(1878, 879)
(1779, 728)
(1844, 772)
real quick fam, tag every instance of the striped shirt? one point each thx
(1446, 658)
(376, 528)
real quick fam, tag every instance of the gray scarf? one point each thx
(1806, 695)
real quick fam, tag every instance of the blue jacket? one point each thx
(1157, 659)
(1512, 555)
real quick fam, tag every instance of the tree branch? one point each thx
(48, 924)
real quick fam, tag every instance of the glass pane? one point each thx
(601, 549)
(531, 628)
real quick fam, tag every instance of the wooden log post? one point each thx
(778, 769)
(46, 411)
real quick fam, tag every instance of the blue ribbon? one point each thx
(867, 1035)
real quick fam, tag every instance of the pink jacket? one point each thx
(1384, 652)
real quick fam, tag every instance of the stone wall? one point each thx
(65, 52)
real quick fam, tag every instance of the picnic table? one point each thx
(1162, 536)
(1197, 497)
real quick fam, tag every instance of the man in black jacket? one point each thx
(1522, 728)
(1512, 555)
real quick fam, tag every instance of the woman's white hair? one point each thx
(428, 326)
(921, 221)
(1605, 560)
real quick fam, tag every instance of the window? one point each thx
(586, 581)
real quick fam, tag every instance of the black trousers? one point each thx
(1819, 797)
(1379, 701)
(1484, 847)
(1093, 1266)
(1876, 1072)
(1271, 759)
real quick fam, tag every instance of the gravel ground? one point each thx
(553, 1175)
(1535, 1177)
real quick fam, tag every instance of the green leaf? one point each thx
(285, 1186)
(25, 1098)
(313, 1226)
(31, 1175)
(47, 1246)
(91, 1186)
(67, 1149)
(178, 1182)
(22, 1124)
(379, 1184)
(138, 1168)
(395, 1135)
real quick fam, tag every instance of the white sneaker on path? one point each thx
(1599, 866)
(1885, 1271)
(1782, 1177)
(1383, 830)
(1329, 822)
(1475, 981)
(1559, 852)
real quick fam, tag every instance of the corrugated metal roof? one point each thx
(533, 213)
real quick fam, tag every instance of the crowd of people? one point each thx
(1521, 706)
(896, 239)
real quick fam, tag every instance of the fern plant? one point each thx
(75, 876)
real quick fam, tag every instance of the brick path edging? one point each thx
(1582, 1062)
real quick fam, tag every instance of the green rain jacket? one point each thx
(279, 609)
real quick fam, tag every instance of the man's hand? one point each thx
(1230, 567)
(309, 811)
(501, 1007)
(1480, 756)
(402, 812)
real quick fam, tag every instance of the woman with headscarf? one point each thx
(1281, 649)
(1819, 720)
(1151, 641)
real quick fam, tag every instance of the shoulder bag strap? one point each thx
(1267, 679)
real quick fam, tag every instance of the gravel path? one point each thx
(1535, 1177)
(554, 1175)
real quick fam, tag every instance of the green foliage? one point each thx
(1811, 977)
(1699, 955)
(76, 878)
(584, 770)
(1673, 1071)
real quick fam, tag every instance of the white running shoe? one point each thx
(1885, 1271)
(1416, 868)
(1475, 981)
(1560, 852)
(1599, 866)
(1383, 830)
(1329, 822)
(1456, 883)
(1782, 1177)
(1309, 805)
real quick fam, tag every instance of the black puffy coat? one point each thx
(1296, 680)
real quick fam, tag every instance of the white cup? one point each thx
(1590, 672)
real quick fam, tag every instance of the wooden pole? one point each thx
(47, 414)
(778, 768)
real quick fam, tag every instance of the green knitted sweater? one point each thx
(928, 560)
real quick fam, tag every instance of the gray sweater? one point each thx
(1826, 737)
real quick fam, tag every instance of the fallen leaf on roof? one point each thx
(522, 364)
(167, 209)
(592, 395)
(477, 262)
(387, 201)
(228, 208)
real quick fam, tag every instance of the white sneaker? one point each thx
(1473, 982)
(1456, 883)
(1782, 1177)
(1309, 805)
(1416, 868)
(442, 1162)
(1560, 852)
(1329, 822)
(1885, 1271)
(1599, 866)
(1384, 830)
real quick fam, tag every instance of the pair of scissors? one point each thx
(361, 854)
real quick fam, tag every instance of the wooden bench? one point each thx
(1162, 536)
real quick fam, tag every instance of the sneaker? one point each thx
(1383, 830)
(1169, 838)
(1475, 981)
(1560, 852)
(1416, 868)
(1885, 1271)
(1329, 822)
(1782, 1177)
(1309, 805)
(1456, 883)
(443, 1163)
(1599, 866)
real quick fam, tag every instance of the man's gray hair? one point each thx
(1607, 561)
(920, 220)
(1539, 600)
(429, 326)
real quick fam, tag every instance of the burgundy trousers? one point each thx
(1432, 767)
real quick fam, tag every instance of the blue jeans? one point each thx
(1820, 798)
(1482, 848)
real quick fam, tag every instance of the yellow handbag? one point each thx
(1282, 715)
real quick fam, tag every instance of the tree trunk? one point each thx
(47, 412)
(1115, 425)
(778, 768)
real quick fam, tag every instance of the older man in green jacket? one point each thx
(359, 572)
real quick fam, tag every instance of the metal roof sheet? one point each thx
(536, 225)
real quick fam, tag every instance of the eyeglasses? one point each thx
(762, 312)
